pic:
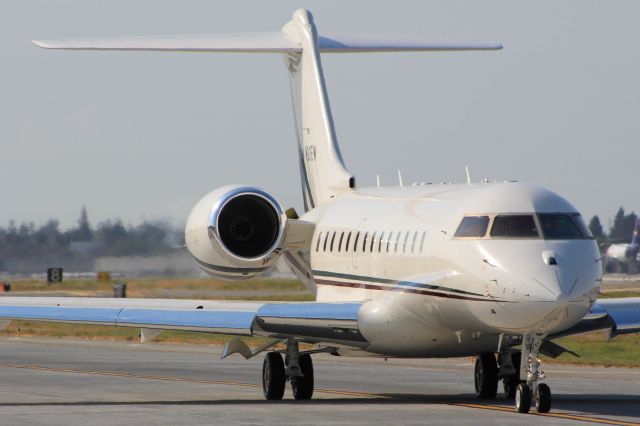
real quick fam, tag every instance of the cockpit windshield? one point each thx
(521, 225)
(550, 226)
(563, 227)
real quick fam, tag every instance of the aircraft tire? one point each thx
(302, 387)
(523, 398)
(273, 376)
(543, 398)
(486, 376)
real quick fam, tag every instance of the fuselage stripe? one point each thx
(352, 284)
(394, 282)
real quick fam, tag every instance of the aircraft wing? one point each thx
(619, 316)
(312, 322)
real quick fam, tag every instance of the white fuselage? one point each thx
(431, 294)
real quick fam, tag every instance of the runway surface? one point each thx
(70, 382)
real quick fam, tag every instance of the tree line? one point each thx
(113, 238)
(108, 238)
(619, 231)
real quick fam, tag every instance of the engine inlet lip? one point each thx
(234, 193)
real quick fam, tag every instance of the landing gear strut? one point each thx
(297, 368)
(509, 372)
(532, 390)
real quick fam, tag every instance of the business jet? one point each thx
(492, 270)
(625, 257)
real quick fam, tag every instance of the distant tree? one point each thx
(49, 234)
(83, 232)
(622, 226)
(596, 229)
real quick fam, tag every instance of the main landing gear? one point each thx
(297, 368)
(512, 367)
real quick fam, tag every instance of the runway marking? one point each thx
(556, 415)
(566, 416)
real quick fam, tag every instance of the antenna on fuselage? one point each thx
(466, 169)
(378, 181)
(400, 178)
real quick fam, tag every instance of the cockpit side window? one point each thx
(518, 226)
(586, 232)
(472, 227)
(556, 226)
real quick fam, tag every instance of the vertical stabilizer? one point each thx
(322, 169)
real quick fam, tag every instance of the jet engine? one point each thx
(236, 232)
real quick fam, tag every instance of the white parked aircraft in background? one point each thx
(444, 270)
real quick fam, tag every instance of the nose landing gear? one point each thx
(532, 391)
(520, 373)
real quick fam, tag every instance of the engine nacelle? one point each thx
(236, 232)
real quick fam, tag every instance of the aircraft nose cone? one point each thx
(556, 284)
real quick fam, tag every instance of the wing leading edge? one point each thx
(309, 321)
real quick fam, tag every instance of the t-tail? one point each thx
(323, 172)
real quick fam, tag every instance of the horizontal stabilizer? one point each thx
(372, 43)
(268, 42)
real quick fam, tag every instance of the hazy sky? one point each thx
(145, 135)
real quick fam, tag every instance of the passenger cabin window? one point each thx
(340, 243)
(395, 249)
(424, 235)
(514, 226)
(563, 227)
(473, 227)
(404, 244)
(413, 244)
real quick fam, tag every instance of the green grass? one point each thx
(596, 349)
(619, 293)
(150, 288)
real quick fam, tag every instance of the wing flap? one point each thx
(318, 322)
